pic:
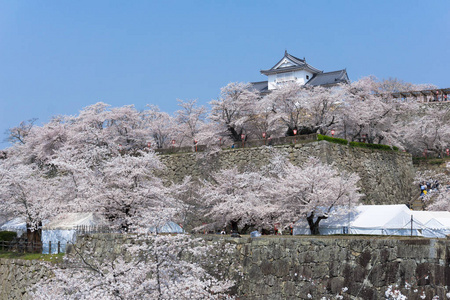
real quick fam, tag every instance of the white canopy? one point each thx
(169, 227)
(69, 221)
(437, 223)
(17, 224)
(368, 219)
(62, 229)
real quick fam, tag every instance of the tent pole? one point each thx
(411, 224)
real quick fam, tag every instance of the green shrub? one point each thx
(330, 139)
(372, 146)
(7, 235)
(395, 148)
(435, 161)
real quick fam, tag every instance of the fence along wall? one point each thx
(386, 176)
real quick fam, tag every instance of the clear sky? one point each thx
(57, 57)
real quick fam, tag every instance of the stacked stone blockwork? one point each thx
(386, 176)
(297, 267)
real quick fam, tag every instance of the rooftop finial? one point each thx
(285, 51)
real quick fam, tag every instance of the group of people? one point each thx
(426, 187)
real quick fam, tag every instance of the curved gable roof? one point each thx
(293, 64)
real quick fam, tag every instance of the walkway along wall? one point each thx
(386, 176)
(293, 267)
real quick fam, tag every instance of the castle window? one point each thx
(283, 77)
(307, 77)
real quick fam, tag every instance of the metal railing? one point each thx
(30, 247)
(90, 229)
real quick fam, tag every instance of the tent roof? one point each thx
(16, 223)
(382, 216)
(426, 216)
(69, 221)
(169, 227)
(371, 216)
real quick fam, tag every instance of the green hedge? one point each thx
(372, 146)
(395, 148)
(429, 160)
(321, 137)
(7, 235)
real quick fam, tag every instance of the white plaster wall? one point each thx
(300, 75)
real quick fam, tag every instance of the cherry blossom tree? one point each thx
(240, 200)
(30, 192)
(427, 131)
(315, 191)
(40, 142)
(395, 85)
(190, 119)
(286, 105)
(281, 192)
(100, 126)
(161, 126)
(126, 126)
(367, 114)
(130, 194)
(260, 119)
(305, 109)
(153, 267)
(80, 161)
(321, 108)
(123, 187)
(19, 133)
(232, 109)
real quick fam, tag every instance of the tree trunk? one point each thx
(314, 225)
(34, 242)
(234, 227)
(235, 136)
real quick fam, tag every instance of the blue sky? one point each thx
(57, 57)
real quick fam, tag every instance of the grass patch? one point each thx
(371, 146)
(32, 256)
(330, 139)
(430, 161)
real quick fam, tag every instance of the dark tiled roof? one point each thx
(329, 78)
(301, 65)
(260, 86)
(293, 58)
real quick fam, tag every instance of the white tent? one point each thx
(436, 223)
(63, 228)
(17, 224)
(337, 223)
(169, 227)
(370, 220)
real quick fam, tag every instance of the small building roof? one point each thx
(260, 86)
(329, 78)
(290, 63)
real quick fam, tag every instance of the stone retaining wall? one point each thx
(386, 176)
(16, 276)
(291, 267)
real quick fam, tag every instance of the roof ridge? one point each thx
(302, 60)
(342, 70)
